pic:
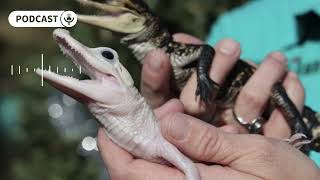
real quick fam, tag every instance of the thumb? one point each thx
(204, 142)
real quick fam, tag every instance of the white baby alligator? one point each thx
(112, 98)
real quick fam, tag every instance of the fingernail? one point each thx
(292, 75)
(179, 129)
(155, 65)
(278, 56)
(228, 47)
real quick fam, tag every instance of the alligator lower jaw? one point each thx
(84, 91)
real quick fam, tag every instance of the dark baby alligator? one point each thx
(142, 32)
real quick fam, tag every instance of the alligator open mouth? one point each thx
(101, 74)
(118, 16)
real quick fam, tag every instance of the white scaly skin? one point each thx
(112, 98)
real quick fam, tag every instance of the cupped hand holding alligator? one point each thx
(155, 137)
(220, 155)
(212, 83)
(141, 31)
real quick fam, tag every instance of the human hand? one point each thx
(251, 101)
(255, 95)
(156, 74)
(221, 155)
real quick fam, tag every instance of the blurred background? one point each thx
(41, 130)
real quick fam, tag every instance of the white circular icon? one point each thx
(68, 19)
(89, 144)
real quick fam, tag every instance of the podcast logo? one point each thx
(68, 19)
(42, 19)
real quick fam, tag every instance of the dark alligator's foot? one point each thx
(206, 88)
(298, 140)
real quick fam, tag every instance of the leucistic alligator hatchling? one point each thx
(117, 105)
(142, 32)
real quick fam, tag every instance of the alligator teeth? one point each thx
(70, 77)
(64, 76)
(66, 54)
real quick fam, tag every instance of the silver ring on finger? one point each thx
(254, 127)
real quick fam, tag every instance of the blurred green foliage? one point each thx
(31, 148)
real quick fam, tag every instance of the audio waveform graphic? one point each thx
(20, 70)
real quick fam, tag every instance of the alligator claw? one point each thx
(298, 140)
(206, 88)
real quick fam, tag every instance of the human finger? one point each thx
(254, 96)
(277, 126)
(227, 54)
(155, 78)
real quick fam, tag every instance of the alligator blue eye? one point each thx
(108, 55)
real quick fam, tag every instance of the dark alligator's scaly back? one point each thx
(154, 36)
(233, 84)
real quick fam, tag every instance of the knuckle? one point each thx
(192, 107)
(251, 97)
(145, 89)
(167, 122)
(150, 87)
(154, 94)
(170, 117)
(207, 145)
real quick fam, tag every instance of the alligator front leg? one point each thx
(206, 87)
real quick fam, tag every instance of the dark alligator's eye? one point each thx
(108, 55)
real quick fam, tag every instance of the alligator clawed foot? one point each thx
(206, 88)
(298, 140)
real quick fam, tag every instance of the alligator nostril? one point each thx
(108, 55)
